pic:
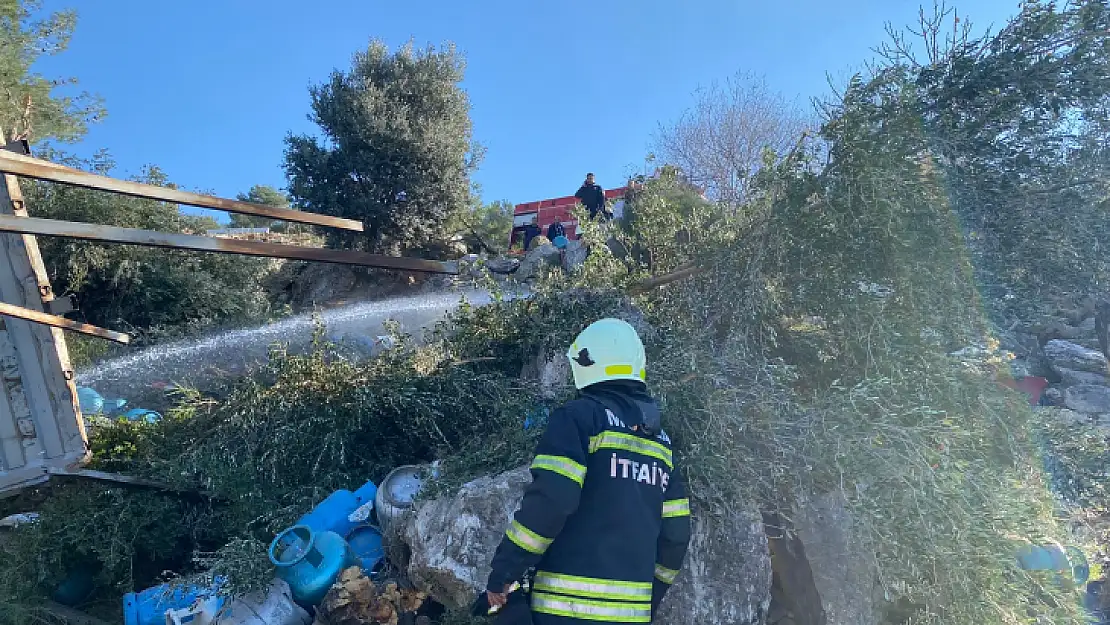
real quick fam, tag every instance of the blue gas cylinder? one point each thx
(333, 514)
(75, 588)
(142, 414)
(310, 562)
(149, 607)
(366, 543)
(1043, 557)
(112, 406)
(89, 400)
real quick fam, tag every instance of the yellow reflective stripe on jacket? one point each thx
(665, 575)
(592, 587)
(676, 507)
(526, 539)
(586, 609)
(629, 442)
(562, 465)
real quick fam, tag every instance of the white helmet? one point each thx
(608, 349)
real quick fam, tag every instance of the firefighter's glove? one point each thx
(515, 611)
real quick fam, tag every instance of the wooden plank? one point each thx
(133, 236)
(61, 322)
(130, 480)
(31, 167)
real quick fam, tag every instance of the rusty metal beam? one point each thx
(9, 310)
(31, 167)
(150, 238)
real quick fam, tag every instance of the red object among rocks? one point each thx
(1032, 386)
(548, 212)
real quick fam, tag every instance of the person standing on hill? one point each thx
(592, 197)
(602, 531)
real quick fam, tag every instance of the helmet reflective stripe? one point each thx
(665, 575)
(635, 444)
(609, 611)
(591, 587)
(526, 539)
(608, 349)
(676, 507)
(562, 465)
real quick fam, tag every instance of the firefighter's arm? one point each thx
(674, 537)
(558, 472)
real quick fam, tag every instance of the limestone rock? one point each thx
(536, 258)
(453, 538)
(575, 255)
(1070, 377)
(1066, 355)
(502, 265)
(551, 369)
(1088, 399)
(845, 575)
(1053, 396)
(726, 578)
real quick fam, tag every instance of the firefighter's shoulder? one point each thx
(587, 413)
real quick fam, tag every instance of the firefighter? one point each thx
(602, 530)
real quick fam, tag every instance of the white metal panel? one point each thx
(41, 429)
(524, 219)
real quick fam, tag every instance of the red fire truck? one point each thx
(548, 212)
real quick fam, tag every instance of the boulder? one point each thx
(1053, 397)
(726, 578)
(1071, 377)
(502, 265)
(575, 255)
(1066, 355)
(844, 572)
(1088, 399)
(551, 368)
(452, 539)
(536, 258)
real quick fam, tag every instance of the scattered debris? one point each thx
(354, 599)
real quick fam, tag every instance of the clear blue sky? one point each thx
(208, 89)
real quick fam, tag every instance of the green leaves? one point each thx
(29, 105)
(142, 288)
(395, 151)
(259, 194)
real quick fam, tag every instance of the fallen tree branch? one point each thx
(69, 615)
(683, 271)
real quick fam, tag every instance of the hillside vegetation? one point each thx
(939, 198)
